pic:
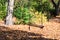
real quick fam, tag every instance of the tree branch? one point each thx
(53, 3)
(58, 3)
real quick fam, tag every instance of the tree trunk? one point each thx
(56, 7)
(56, 11)
(9, 20)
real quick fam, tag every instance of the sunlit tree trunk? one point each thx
(9, 20)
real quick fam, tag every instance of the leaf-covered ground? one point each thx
(50, 31)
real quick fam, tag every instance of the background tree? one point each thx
(56, 4)
(9, 20)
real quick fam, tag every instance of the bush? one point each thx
(39, 18)
(23, 15)
(2, 9)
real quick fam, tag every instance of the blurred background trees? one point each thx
(31, 11)
(56, 4)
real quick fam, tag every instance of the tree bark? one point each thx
(9, 20)
(56, 7)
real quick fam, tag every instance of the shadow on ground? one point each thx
(8, 34)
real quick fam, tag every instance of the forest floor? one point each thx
(50, 31)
